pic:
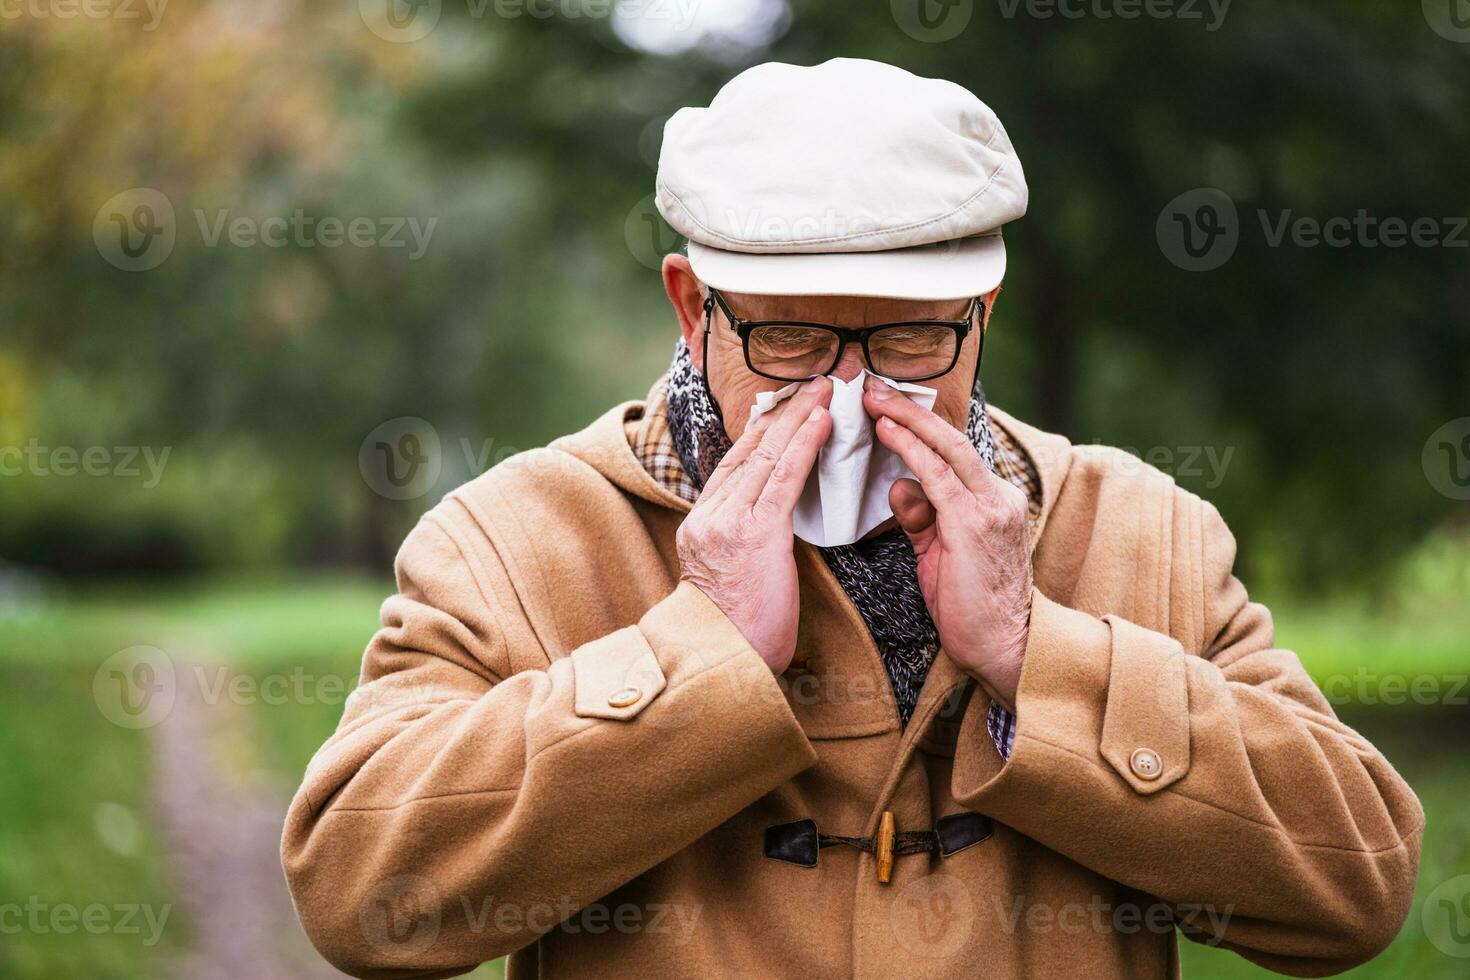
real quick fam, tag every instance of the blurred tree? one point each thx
(1313, 374)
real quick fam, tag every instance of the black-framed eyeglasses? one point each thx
(794, 350)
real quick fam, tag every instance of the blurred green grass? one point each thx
(74, 828)
(74, 806)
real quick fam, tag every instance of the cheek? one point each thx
(735, 387)
(953, 402)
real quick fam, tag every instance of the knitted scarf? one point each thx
(879, 574)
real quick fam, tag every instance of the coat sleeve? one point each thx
(1218, 780)
(464, 806)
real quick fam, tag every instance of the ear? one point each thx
(683, 288)
(989, 300)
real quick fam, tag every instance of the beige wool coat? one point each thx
(561, 753)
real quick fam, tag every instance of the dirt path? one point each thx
(220, 817)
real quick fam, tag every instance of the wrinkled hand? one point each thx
(736, 544)
(968, 528)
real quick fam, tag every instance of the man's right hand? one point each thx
(736, 544)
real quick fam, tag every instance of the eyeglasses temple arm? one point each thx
(709, 313)
(979, 307)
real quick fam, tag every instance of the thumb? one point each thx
(911, 508)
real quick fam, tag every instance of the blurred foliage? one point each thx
(533, 140)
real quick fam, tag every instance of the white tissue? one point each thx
(846, 495)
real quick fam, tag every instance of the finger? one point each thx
(746, 484)
(911, 508)
(913, 511)
(789, 476)
(738, 452)
(945, 440)
(946, 492)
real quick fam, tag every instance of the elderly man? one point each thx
(813, 664)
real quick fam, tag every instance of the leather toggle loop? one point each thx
(799, 842)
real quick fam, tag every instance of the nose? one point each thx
(850, 364)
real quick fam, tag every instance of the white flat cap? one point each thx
(850, 178)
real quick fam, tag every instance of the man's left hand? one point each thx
(968, 528)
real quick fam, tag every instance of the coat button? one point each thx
(1146, 764)
(625, 697)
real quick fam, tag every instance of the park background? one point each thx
(190, 404)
